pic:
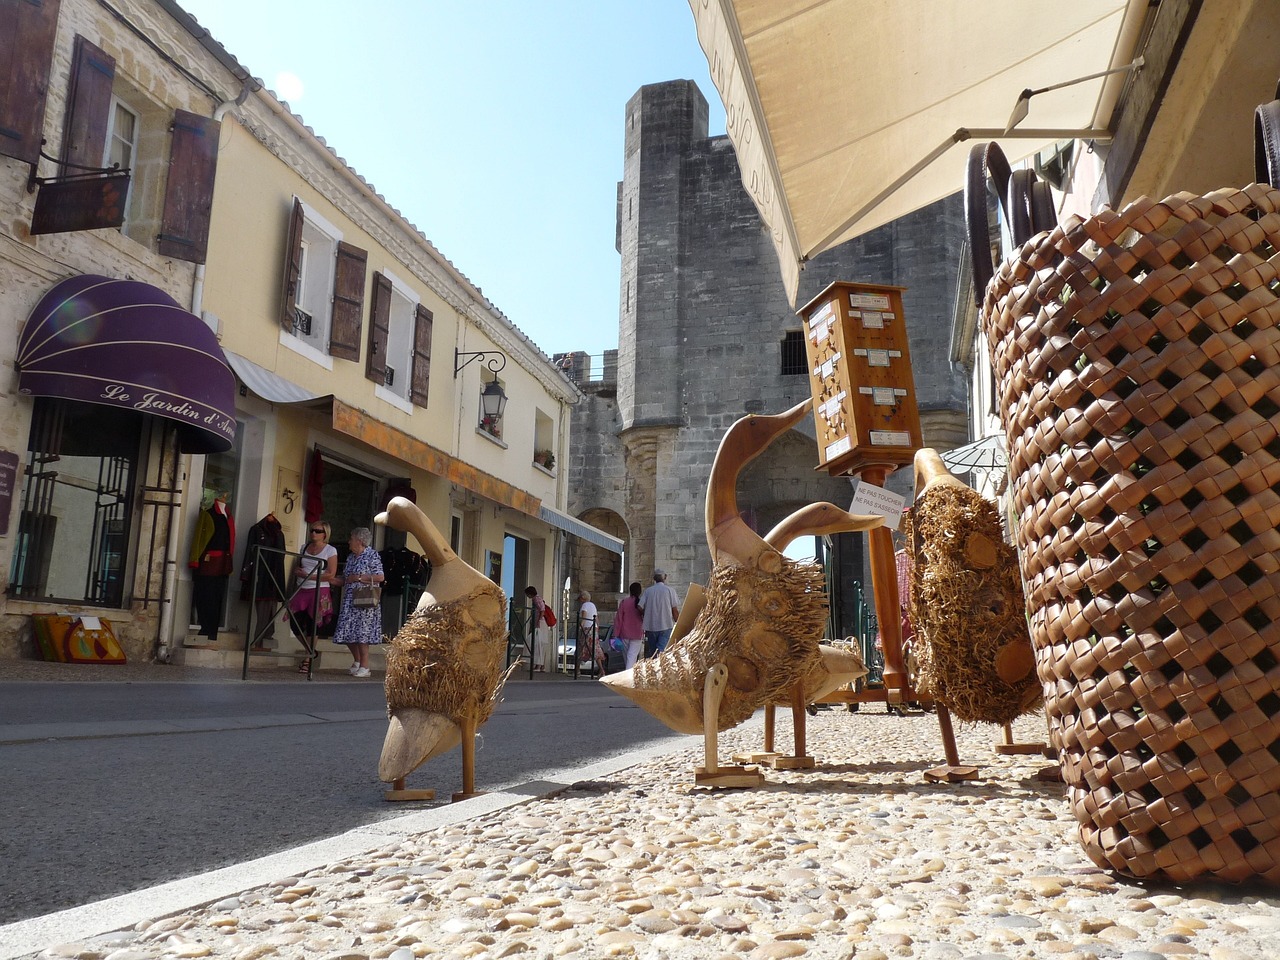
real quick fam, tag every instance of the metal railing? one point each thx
(865, 629)
(257, 631)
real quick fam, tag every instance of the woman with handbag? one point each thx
(360, 615)
(313, 570)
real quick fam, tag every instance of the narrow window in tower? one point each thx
(793, 358)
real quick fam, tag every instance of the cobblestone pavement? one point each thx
(860, 858)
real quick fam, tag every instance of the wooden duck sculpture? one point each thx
(755, 630)
(834, 667)
(445, 666)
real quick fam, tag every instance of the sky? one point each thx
(494, 126)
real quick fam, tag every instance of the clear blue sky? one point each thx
(494, 126)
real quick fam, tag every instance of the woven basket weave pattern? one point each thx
(1137, 356)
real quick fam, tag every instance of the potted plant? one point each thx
(544, 458)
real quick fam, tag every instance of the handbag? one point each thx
(366, 595)
(214, 563)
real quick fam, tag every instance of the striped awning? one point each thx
(579, 529)
(266, 384)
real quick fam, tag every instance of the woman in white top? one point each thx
(313, 569)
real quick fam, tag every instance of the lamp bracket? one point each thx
(495, 362)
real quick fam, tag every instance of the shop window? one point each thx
(323, 291)
(77, 503)
(794, 361)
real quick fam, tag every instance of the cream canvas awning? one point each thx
(847, 114)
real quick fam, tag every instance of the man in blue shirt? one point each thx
(659, 607)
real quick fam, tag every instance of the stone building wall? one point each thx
(702, 317)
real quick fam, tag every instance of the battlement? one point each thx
(586, 369)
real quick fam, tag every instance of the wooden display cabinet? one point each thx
(868, 425)
(864, 396)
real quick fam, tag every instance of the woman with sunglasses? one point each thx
(313, 569)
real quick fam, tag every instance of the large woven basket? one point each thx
(1138, 361)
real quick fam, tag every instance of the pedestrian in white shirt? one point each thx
(660, 608)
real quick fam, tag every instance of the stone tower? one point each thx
(705, 336)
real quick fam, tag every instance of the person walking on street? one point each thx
(660, 608)
(539, 628)
(359, 626)
(589, 648)
(628, 624)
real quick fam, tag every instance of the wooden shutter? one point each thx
(421, 356)
(379, 329)
(84, 135)
(292, 267)
(28, 29)
(348, 302)
(188, 196)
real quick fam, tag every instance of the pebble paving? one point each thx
(858, 858)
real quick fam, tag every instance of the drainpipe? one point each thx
(165, 641)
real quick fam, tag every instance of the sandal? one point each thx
(305, 666)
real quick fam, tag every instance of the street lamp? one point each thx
(493, 400)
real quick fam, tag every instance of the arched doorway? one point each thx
(596, 569)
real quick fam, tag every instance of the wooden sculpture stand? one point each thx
(711, 774)
(468, 762)
(1009, 748)
(799, 759)
(398, 793)
(897, 687)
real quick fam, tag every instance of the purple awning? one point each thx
(124, 343)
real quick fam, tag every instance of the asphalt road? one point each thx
(111, 787)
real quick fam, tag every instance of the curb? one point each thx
(25, 938)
